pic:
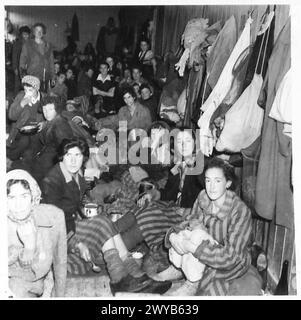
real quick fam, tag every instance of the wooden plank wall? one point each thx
(90, 19)
(278, 242)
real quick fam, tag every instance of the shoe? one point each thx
(159, 287)
(187, 289)
(171, 273)
(130, 284)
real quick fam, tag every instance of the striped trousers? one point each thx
(155, 220)
(93, 233)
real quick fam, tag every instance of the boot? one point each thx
(142, 284)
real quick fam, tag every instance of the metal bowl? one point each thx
(30, 128)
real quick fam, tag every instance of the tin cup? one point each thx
(91, 210)
(138, 256)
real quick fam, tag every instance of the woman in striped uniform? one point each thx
(227, 219)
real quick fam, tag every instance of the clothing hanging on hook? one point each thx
(259, 59)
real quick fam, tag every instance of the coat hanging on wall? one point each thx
(275, 161)
(75, 28)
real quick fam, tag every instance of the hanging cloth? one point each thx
(281, 108)
(221, 50)
(220, 91)
(239, 73)
(75, 28)
(274, 194)
(259, 58)
(243, 121)
(252, 56)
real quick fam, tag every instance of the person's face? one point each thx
(25, 36)
(69, 74)
(136, 73)
(103, 70)
(185, 143)
(56, 67)
(90, 73)
(73, 160)
(19, 201)
(128, 99)
(61, 79)
(145, 94)
(70, 107)
(127, 73)
(215, 183)
(125, 50)
(110, 61)
(143, 46)
(30, 91)
(119, 65)
(49, 111)
(136, 88)
(38, 32)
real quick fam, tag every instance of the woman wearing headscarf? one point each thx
(37, 247)
(24, 111)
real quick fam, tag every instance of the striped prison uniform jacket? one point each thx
(231, 228)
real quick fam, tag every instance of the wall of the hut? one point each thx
(90, 19)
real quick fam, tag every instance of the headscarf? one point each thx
(31, 80)
(24, 175)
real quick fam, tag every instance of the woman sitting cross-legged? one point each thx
(216, 234)
(65, 187)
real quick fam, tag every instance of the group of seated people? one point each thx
(178, 205)
(102, 78)
(184, 210)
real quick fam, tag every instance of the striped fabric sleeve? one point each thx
(227, 256)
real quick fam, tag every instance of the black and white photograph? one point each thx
(149, 150)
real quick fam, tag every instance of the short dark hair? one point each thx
(103, 62)
(61, 72)
(68, 144)
(136, 67)
(56, 101)
(110, 56)
(40, 24)
(145, 86)
(145, 40)
(24, 29)
(227, 169)
(87, 67)
(130, 90)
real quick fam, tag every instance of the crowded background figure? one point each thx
(36, 57)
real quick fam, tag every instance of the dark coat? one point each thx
(33, 62)
(191, 188)
(66, 195)
(50, 137)
(192, 184)
(23, 116)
